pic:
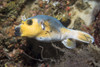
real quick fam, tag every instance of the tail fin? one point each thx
(81, 36)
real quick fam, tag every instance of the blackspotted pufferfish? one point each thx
(48, 29)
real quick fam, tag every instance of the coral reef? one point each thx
(24, 52)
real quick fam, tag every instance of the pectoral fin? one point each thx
(69, 43)
(42, 25)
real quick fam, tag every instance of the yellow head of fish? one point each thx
(29, 28)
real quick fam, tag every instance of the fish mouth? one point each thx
(17, 31)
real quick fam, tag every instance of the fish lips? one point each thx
(17, 31)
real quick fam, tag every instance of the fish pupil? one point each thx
(29, 22)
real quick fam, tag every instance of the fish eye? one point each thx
(29, 22)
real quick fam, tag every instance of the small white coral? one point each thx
(55, 3)
(46, 1)
(23, 17)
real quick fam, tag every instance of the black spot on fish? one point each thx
(50, 30)
(40, 37)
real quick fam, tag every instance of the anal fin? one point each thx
(69, 43)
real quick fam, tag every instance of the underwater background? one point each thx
(25, 52)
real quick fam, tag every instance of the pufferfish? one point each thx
(48, 29)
